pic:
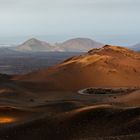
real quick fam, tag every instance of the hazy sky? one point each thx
(108, 21)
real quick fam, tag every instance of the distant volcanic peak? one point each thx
(35, 41)
(80, 44)
(35, 45)
(32, 40)
(85, 41)
(80, 39)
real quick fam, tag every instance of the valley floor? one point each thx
(29, 115)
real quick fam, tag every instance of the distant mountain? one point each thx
(136, 47)
(79, 45)
(35, 45)
(72, 45)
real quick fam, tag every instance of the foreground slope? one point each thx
(108, 66)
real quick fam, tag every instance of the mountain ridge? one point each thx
(72, 45)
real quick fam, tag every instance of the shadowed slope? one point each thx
(84, 123)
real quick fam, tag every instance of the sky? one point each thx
(109, 21)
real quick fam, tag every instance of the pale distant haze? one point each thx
(108, 21)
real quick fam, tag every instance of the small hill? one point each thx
(110, 66)
(79, 45)
(35, 45)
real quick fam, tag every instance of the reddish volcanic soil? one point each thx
(110, 66)
(46, 105)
